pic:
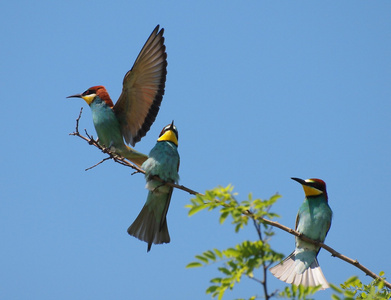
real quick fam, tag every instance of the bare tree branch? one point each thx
(121, 160)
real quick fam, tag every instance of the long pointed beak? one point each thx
(172, 125)
(75, 96)
(301, 181)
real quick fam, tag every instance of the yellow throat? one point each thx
(89, 98)
(169, 136)
(310, 191)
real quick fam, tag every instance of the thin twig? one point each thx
(255, 279)
(97, 164)
(78, 119)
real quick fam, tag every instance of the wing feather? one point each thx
(143, 89)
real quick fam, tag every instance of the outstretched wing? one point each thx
(143, 89)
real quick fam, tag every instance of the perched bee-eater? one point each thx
(313, 220)
(136, 109)
(151, 224)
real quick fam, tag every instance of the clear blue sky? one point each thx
(260, 91)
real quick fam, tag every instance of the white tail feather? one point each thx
(313, 276)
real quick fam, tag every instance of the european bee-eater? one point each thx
(313, 220)
(151, 224)
(136, 109)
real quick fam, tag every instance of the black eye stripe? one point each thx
(88, 92)
(318, 185)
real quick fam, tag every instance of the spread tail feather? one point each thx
(146, 229)
(313, 276)
(151, 224)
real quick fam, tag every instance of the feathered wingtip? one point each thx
(313, 276)
(147, 228)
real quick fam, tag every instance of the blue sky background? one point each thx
(260, 91)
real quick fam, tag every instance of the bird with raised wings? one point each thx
(138, 105)
(313, 221)
(151, 224)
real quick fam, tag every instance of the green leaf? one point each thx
(352, 281)
(196, 209)
(230, 252)
(194, 264)
(335, 297)
(218, 253)
(201, 258)
(238, 227)
(335, 288)
(209, 254)
(212, 289)
(223, 217)
(225, 271)
(216, 280)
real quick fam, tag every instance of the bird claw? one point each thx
(105, 150)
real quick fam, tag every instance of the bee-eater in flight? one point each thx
(136, 109)
(313, 221)
(151, 224)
